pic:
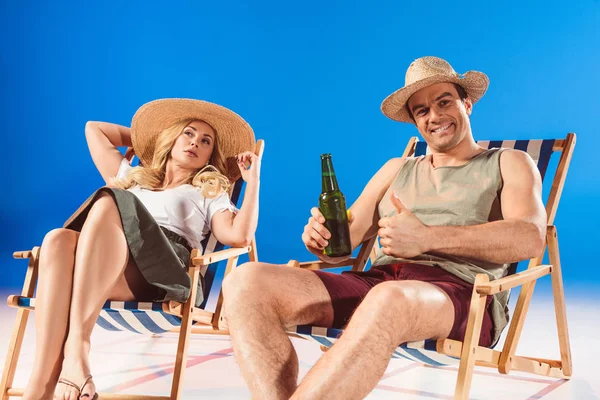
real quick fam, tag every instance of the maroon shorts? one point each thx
(349, 288)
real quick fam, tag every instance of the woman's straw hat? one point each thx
(426, 71)
(234, 135)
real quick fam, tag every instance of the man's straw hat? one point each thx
(426, 71)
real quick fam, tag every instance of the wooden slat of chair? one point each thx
(185, 331)
(566, 147)
(468, 354)
(16, 339)
(486, 357)
(231, 264)
(516, 326)
(559, 303)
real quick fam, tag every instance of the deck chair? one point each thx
(144, 317)
(467, 353)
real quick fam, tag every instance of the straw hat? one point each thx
(426, 71)
(234, 135)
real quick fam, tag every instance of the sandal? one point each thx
(79, 388)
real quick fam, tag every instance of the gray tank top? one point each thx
(455, 196)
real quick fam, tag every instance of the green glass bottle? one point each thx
(333, 207)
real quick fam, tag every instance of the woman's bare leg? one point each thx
(53, 299)
(100, 263)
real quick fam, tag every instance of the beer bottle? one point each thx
(333, 207)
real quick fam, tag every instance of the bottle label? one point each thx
(328, 174)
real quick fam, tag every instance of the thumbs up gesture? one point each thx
(402, 235)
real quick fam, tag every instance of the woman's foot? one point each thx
(75, 378)
(81, 391)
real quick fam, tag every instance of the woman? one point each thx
(132, 239)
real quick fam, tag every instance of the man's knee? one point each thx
(411, 307)
(244, 280)
(397, 300)
(390, 294)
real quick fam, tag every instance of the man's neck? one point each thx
(457, 156)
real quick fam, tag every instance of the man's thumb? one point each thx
(397, 203)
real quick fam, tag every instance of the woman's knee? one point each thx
(59, 242)
(60, 238)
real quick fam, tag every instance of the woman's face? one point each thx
(194, 146)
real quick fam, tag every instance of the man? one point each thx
(441, 219)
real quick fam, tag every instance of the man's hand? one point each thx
(316, 235)
(403, 235)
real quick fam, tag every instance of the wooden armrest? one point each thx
(509, 282)
(23, 254)
(318, 265)
(220, 255)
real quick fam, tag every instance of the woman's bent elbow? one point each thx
(242, 241)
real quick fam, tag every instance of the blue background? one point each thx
(308, 76)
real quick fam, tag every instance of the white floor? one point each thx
(130, 363)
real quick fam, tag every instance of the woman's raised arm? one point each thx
(103, 138)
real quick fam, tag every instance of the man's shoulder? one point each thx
(515, 158)
(394, 163)
(515, 163)
(387, 172)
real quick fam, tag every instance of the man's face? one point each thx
(441, 116)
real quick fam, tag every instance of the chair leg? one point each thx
(468, 353)
(182, 347)
(14, 349)
(559, 303)
(518, 320)
(185, 332)
(217, 322)
(16, 340)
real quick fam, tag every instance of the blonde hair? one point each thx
(210, 180)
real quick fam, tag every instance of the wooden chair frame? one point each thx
(468, 351)
(206, 322)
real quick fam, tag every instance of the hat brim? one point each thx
(475, 84)
(234, 134)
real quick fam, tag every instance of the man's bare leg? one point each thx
(260, 300)
(392, 313)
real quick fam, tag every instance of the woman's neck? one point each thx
(175, 175)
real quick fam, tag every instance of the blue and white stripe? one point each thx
(539, 150)
(423, 351)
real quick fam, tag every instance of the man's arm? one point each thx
(364, 216)
(364, 210)
(519, 236)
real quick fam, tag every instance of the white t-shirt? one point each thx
(182, 209)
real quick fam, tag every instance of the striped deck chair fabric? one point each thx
(427, 352)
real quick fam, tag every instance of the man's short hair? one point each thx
(462, 94)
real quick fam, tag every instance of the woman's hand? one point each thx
(249, 165)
